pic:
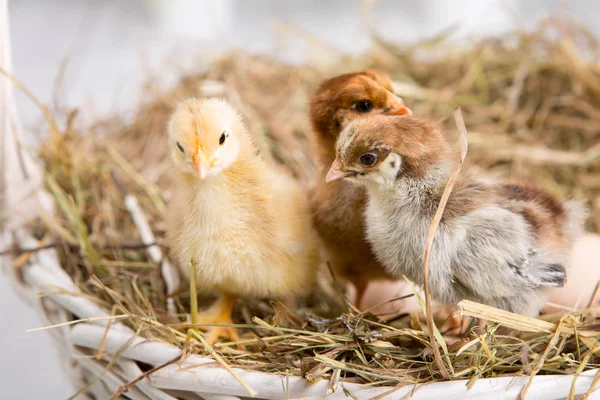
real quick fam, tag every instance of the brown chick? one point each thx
(338, 207)
(499, 243)
(244, 224)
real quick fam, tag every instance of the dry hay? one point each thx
(531, 102)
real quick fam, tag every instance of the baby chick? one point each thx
(244, 224)
(499, 243)
(338, 207)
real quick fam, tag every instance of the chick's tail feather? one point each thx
(547, 267)
(554, 275)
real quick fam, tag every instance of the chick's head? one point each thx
(382, 148)
(205, 136)
(343, 98)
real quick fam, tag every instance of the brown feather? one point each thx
(338, 207)
(422, 146)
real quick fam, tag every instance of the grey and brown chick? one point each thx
(245, 225)
(499, 243)
(338, 207)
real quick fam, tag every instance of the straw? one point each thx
(434, 334)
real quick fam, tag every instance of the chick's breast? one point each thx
(232, 230)
(337, 209)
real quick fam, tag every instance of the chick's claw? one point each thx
(220, 314)
(229, 332)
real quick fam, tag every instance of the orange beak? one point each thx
(202, 170)
(201, 163)
(335, 172)
(397, 106)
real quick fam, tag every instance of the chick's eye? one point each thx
(180, 147)
(222, 138)
(363, 106)
(368, 159)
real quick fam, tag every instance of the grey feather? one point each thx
(488, 255)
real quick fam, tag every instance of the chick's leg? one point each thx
(455, 324)
(361, 288)
(220, 313)
(213, 314)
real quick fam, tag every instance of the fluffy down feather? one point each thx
(246, 225)
(499, 243)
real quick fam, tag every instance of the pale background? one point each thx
(111, 46)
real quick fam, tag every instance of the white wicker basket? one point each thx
(22, 195)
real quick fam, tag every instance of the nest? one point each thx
(531, 102)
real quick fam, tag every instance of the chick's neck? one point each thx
(418, 192)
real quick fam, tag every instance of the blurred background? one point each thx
(96, 55)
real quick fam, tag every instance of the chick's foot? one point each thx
(228, 332)
(220, 314)
(454, 325)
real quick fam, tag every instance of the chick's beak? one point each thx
(201, 163)
(203, 170)
(397, 106)
(335, 172)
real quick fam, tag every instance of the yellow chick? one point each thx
(244, 224)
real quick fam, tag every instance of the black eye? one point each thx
(363, 106)
(222, 138)
(179, 147)
(368, 159)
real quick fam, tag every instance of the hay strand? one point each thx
(435, 337)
